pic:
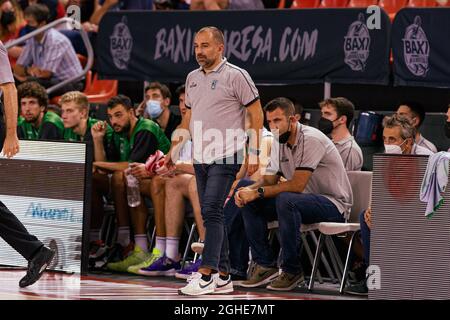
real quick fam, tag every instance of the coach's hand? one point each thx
(11, 146)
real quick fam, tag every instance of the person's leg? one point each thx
(195, 202)
(178, 189)
(158, 196)
(100, 187)
(119, 191)
(295, 209)
(365, 237)
(139, 215)
(238, 243)
(16, 235)
(219, 178)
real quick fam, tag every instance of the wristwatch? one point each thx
(261, 192)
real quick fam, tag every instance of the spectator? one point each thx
(133, 140)
(56, 10)
(317, 189)
(11, 22)
(398, 132)
(174, 188)
(36, 122)
(337, 114)
(77, 127)
(49, 57)
(158, 98)
(447, 125)
(415, 112)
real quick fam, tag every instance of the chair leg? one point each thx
(344, 275)
(152, 240)
(188, 244)
(330, 248)
(316, 262)
(310, 256)
(323, 258)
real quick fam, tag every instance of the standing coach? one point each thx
(218, 95)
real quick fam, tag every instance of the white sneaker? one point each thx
(223, 286)
(197, 247)
(197, 286)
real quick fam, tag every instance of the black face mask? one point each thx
(8, 17)
(447, 129)
(325, 125)
(284, 137)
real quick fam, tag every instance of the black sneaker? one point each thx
(359, 289)
(37, 266)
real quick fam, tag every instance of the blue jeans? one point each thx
(239, 247)
(365, 237)
(293, 210)
(213, 184)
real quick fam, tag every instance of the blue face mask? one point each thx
(153, 108)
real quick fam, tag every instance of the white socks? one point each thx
(161, 244)
(123, 236)
(141, 241)
(172, 244)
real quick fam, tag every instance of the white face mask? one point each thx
(393, 148)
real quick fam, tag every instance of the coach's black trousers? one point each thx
(11, 229)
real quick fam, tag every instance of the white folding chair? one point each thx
(361, 183)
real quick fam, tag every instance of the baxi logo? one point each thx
(357, 44)
(121, 44)
(38, 211)
(416, 49)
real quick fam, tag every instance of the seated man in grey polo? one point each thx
(48, 57)
(415, 112)
(337, 114)
(316, 189)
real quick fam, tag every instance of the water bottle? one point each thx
(133, 192)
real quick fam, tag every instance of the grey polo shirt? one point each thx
(5, 74)
(426, 144)
(315, 152)
(351, 153)
(217, 101)
(419, 150)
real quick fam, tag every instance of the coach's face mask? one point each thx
(154, 108)
(393, 148)
(284, 137)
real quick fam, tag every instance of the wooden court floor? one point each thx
(61, 286)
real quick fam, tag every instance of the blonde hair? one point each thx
(78, 98)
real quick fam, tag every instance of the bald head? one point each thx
(215, 32)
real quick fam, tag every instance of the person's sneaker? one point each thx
(136, 257)
(223, 286)
(237, 279)
(197, 247)
(37, 266)
(260, 276)
(359, 289)
(155, 255)
(197, 286)
(188, 270)
(164, 266)
(96, 249)
(286, 281)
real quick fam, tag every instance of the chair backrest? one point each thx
(361, 182)
(392, 6)
(299, 4)
(362, 3)
(334, 3)
(421, 3)
(100, 91)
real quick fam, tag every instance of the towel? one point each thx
(434, 182)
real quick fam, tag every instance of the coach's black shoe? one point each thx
(37, 266)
